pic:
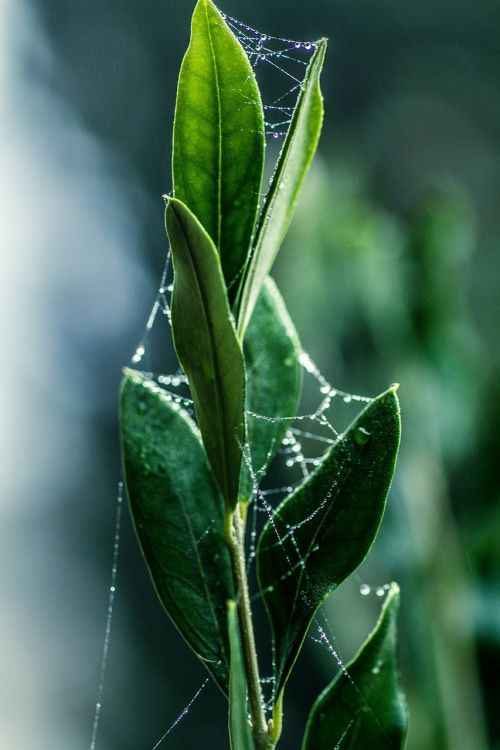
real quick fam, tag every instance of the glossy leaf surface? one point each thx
(206, 344)
(364, 708)
(178, 515)
(322, 532)
(218, 148)
(274, 378)
(294, 161)
(240, 733)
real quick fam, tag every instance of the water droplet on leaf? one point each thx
(361, 436)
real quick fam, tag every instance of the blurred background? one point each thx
(391, 273)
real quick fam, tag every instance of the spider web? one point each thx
(309, 436)
(279, 65)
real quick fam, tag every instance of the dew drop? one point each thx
(361, 436)
(170, 287)
(347, 399)
(325, 389)
(380, 591)
(308, 45)
(297, 45)
(276, 136)
(364, 589)
(290, 462)
(139, 354)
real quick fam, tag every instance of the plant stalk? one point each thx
(259, 724)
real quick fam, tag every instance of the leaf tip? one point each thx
(394, 388)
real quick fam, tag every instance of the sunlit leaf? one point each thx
(218, 149)
(274, 378)
(206, 344)
(294, 161)
(240, 733)
(321, 532)
(178, 515)
(364, 707)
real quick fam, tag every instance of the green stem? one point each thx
(259, 724)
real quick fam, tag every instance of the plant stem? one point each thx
(259, 724)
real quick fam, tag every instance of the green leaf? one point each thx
(274, 379)
(178, 515)
(321, 532)
(294, 161)
(364, 707)
(206, 344)
(240, 733)
(219, 137)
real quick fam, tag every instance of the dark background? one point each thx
(390, 272)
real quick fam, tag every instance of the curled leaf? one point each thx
(206, 344)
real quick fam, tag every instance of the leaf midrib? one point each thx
(219, 131)
(312, 543)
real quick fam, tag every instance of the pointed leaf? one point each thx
(206, 344)
(218, 149)
(294, 161)
(321, 532)
(274, 379)
(178, 515)
(240, 733)
(364, 706)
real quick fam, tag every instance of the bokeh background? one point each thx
(391, 273)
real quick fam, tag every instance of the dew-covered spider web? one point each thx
(280, 66)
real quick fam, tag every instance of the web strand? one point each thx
(182, 714)
(109, 616)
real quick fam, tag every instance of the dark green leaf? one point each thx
(274, 378)
(218, 151)
(364, 707)
(178, 516)
(323, 531)
(295, 158)
(240, 733)
(206, 344)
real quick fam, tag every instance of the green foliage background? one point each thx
(390, 272)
